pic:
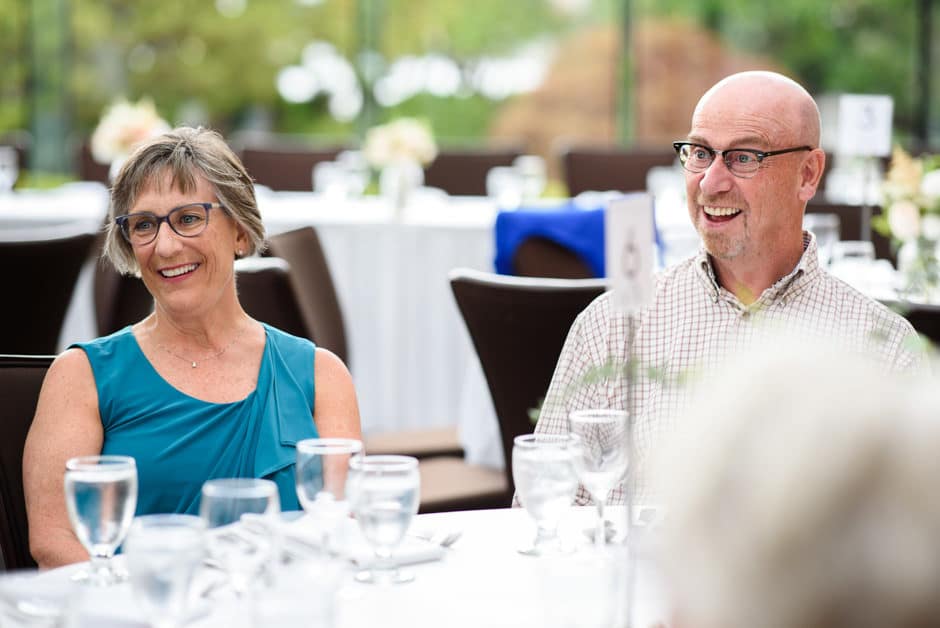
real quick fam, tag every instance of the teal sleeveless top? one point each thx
(179, 441)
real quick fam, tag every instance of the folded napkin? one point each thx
(347, 540)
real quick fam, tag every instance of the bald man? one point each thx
(752, 161)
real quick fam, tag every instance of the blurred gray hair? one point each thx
(804, 494)
(178, 157)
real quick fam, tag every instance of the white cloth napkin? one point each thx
(347, 540)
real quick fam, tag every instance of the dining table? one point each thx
(480, 579)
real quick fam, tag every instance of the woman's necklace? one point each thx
(193, 363)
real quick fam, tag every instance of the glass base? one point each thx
(103, 577)
(382, 576)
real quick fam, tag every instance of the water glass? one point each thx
(101, 496)
(602, 456)
(531, 171)
(9, 168)
(384, 492)
(163, 555)
(826, 228)
(505, 186)
(545, 479)
(243, 553)
(321, 472)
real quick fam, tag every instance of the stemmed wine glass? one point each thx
(321, 472)
(101, 496)
(163, 554)
(602, 457)
(241, 552)
(543, 472)
(384, 492)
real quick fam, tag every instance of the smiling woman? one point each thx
(198, 389)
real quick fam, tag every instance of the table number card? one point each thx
(628, 240)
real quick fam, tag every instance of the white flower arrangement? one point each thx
(401, 140)
(912, 218)
(123, 127)
(911, 198)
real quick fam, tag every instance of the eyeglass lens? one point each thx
(187, 221)
(698, 159)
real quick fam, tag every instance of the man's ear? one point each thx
(811, 172)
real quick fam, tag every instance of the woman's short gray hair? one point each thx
(178, 157)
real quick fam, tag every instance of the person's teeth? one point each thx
(176, 272)
(721, 211)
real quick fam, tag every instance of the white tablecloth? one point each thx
(411, 358)
(482, 581)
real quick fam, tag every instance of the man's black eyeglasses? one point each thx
(140, 228)
(742, 162)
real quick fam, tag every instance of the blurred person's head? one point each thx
(753, 217)
(182, 160)
(803, 494)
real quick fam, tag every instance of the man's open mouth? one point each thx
(720, 214)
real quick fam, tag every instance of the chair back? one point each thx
(541, 257)
(463, 172)
(611, 168)
(266, 294)
(20, 381)
(518, 326)
(42, 268)
(285, 168)
(313, 284)
(120, 300)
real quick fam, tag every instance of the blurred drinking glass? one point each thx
(531, 171)
(504, 186)
(241, 552)
(545, 479)
(826, 229)
(355, 170)
(321, 472)
(100, 496)
(163, 554)
(329, 179)
(384, 491)
(602, 456)
(9, 168)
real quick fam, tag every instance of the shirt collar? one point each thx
(804, 271)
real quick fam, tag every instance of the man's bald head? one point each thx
(791, 110)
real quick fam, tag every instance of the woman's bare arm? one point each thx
(336, 411)
(67, 424)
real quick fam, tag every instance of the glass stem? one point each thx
(384, 567)
(600, 533)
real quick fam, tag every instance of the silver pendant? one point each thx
(194, 365)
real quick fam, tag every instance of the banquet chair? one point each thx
(312, 282)
(266, 293)
(610, 168)
(120, 300)
(463, 171)
(541, 257)
(88, 168)
(20, 380)
(518, 326)
(42, 265)
(285, 167)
